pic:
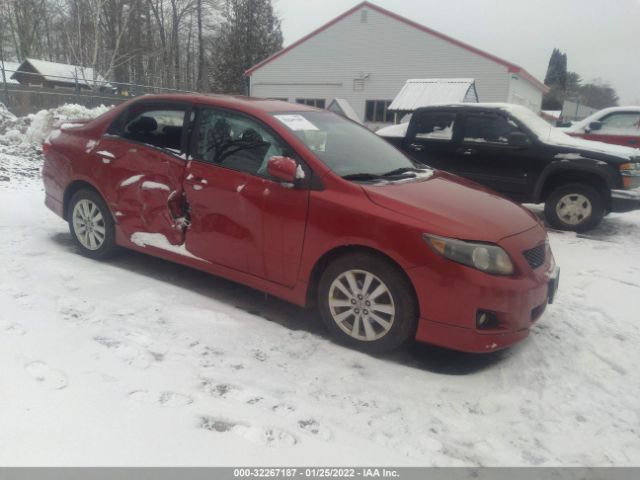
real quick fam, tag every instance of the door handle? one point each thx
(416, 147)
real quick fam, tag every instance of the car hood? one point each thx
(589, 148)
(453, 207)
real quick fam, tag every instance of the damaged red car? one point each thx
(309, 207)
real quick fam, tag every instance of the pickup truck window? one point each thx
(623, 122)
(435, 126)
(489, 128)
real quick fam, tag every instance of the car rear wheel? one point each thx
(575, 207)
(91, 225)
(367, 302)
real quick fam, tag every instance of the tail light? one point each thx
(46, 146)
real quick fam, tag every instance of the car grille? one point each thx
(536, 256)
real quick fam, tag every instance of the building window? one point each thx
(312, 102)
(377, 111)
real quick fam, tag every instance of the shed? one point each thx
(58, 75)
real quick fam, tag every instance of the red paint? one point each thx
(512, 68)
(283, 168)
(262, 233)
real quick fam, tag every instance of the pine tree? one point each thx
(249, 33)
(556, 80)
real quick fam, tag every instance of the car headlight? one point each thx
(631, 169)
(630, 174)
(485, 257)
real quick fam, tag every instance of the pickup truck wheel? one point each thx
(91, 225)
(574, 207)
(367, 302)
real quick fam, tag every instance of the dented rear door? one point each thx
(145, 169)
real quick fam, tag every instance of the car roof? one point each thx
(238, 102)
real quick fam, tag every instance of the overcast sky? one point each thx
(600, 37)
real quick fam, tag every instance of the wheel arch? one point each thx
(74, 187)
(342, 250)
(559, 175)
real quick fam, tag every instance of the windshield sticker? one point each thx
(296, 122)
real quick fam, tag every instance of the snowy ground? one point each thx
(142, 362)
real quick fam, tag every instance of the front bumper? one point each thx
(450, 296)
(625, 200)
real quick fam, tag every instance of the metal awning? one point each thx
(418, 93)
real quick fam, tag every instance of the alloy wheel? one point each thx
(88, 224)
(361, 305)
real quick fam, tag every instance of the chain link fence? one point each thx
(34, 92)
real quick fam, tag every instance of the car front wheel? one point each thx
(575, 207)
(91, 225)
(367, 302)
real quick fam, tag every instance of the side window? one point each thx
(489, 128)
(624, 122)
(160, 126)
(435, 125)
(235, 141)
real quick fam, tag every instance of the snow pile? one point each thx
(21, 138)
(5, 115)
(36, 127)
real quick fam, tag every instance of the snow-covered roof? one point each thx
(344, 108)
(425, 92)
(65, 73)
(396, 131)
(9, 68)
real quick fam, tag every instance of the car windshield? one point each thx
(347, 148)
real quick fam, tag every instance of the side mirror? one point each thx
(518, 139)
(282, 168)
(593, 126)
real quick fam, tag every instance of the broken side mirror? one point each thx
(518, 139)
(283, 169)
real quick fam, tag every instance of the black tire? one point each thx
(400, 298)
(107, 246)
(592, 202)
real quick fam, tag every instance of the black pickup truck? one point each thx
(511, 150)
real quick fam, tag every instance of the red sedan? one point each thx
(309, 207)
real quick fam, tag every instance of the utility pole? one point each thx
(4, 78)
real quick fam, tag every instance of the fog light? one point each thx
(485, 320)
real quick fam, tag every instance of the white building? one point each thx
(368, 53)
